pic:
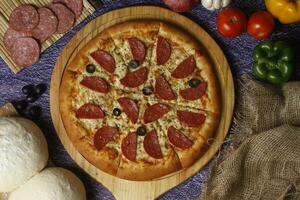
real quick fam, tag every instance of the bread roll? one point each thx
(51, 184)
(23, 152)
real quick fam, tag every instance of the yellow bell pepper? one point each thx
(287, 11)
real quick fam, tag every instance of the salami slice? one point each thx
(191, 119)
(129, 146)
(163, 89)
(185, 68)
(138, 49)
(25, 52)
(155, 112)
(136, 78)
(178, 139)
(152, 146)
(130, 108)
(11, 36)
(95, 83)
(194, 93)
(75, 5)
(163, 51)
(90, 111)
(65, 17)
(103, 136)
(24, 18)
(46, 26)
(105, 60)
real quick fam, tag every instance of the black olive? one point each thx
(34, 111)
(27, 89)
(90, 68)
(117, 112)
(32, 97)
(40, 89)
(194, 82)
(142, 130)
(133, 64)
(20, 105)
(148, 90)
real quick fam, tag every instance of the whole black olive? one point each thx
(142, 130)
(194, 82)
(90, 68)
(34, 111)
(27, 89)
(133, 64)
(31, 97)
(40, 89)
(148, 90)
(117, 112)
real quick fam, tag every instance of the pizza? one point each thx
(140, 100)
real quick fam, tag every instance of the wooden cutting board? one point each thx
(7, 6)
(124, 189)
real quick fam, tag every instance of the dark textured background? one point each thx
(238, 51)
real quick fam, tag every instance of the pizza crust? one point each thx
(147, 30)
(65, 105)
(189, 156)
(213, 100)
(201, 138)
(107, 159)
(141, 170)
(102, 40)
(179, 38)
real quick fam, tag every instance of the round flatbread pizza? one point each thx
(140, 100)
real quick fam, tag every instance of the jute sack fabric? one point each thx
(263, 159)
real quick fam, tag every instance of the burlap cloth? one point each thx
(263, 159)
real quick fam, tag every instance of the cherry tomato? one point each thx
(261, 25)
(231, 22)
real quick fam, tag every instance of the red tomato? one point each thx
(261, 25)
(231, 22)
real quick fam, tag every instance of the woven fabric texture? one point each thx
(264, 161)
(238, 51)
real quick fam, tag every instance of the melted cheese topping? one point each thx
(121, 52)
(91, 124)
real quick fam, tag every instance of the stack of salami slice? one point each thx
(30, 26)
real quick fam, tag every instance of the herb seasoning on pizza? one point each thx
(141, 96)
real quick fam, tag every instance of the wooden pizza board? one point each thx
(7, 6)
(124, 189)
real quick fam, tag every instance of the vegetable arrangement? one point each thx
(273, 61)
(260, 24)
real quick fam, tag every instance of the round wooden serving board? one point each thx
(124, 189)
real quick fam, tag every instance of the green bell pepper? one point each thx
(273, 62)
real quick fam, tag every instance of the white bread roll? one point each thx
(23, 152)
(51, 184)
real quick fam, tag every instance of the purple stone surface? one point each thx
(238, 51)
